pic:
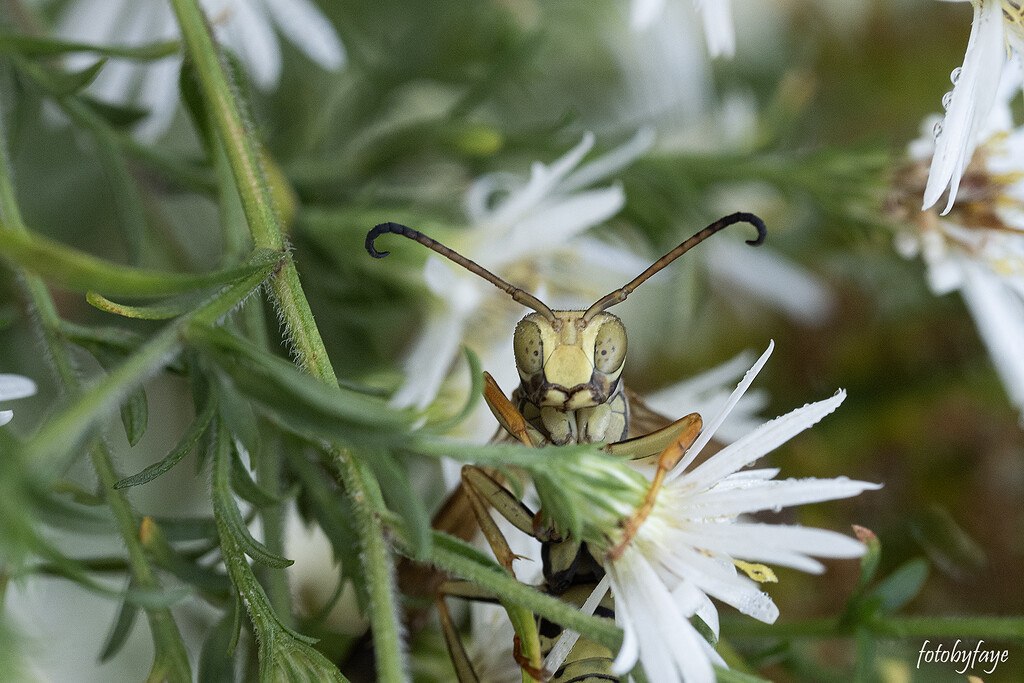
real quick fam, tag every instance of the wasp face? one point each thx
(569, 363)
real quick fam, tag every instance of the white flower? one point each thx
(707, 393)
(247, 27)
(14, 387)
(769, 278)
(715, 14)
(997, 26)
(978, 246)
(688, 548)
(523, 230)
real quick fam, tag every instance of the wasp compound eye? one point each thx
(610, 347)
(528, 347)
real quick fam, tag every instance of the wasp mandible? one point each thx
(570, 366)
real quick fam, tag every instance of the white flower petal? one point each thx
(718, 27)
(767, 275)
(711, 427)
(608, 164)
(250, 35)
(309, 30)
(6, 416)
(973, 96)
(430, 359)
(789, 546)
(999, 315)
(643, 13)
(543, 180)
(555, 224)
(568, 639)
(761, 441)
(775, 495)
(669, 644)
(15, 386)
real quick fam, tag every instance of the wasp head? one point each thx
(569, 362)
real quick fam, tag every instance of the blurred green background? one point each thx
(436, 94)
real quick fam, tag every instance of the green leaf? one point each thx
(187, 528)
(135, 415)
(476, 391)
(117, 339)
(170, 308)
(120, 630)
(295, 397)
(227, 512)
(64, 83)
(135, 407)
(118, 116)
(870, 560)
(248, 489)
(200, 578)
(238, 414)
(400, 497)
(216, 665)
(183, 448)
(195, 105)
(733, 676)
(40, 46)
(157, 598)
(332, 511)
(79, 271)
(459, 558)
(903, 585)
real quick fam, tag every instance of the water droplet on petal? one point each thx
(954, 76)
(946, 99)
(937, 130)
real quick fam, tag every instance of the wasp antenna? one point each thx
(619, 295)
(520, 295)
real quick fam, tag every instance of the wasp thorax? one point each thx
(569, 362)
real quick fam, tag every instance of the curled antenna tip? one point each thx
(762, 229)
(376, 232)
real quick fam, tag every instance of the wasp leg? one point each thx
(646, 449)
(667, 459)
(482, 491)
(507, 505)
(464, 670)
(508, 416)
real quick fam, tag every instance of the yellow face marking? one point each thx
(569, 362)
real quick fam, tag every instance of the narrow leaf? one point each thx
(135, 415)
(36, 46)
(248, 489)
(120, 630)
(903, 585)
(227, 512)
(64, 83)
(216, 665)
(79, 271)
(183, 448)
(170, 308)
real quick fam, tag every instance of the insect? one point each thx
(570, 366)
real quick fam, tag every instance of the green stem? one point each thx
(171, 659)
(502, 583)
(261, 214)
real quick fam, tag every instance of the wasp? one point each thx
(571, 391)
